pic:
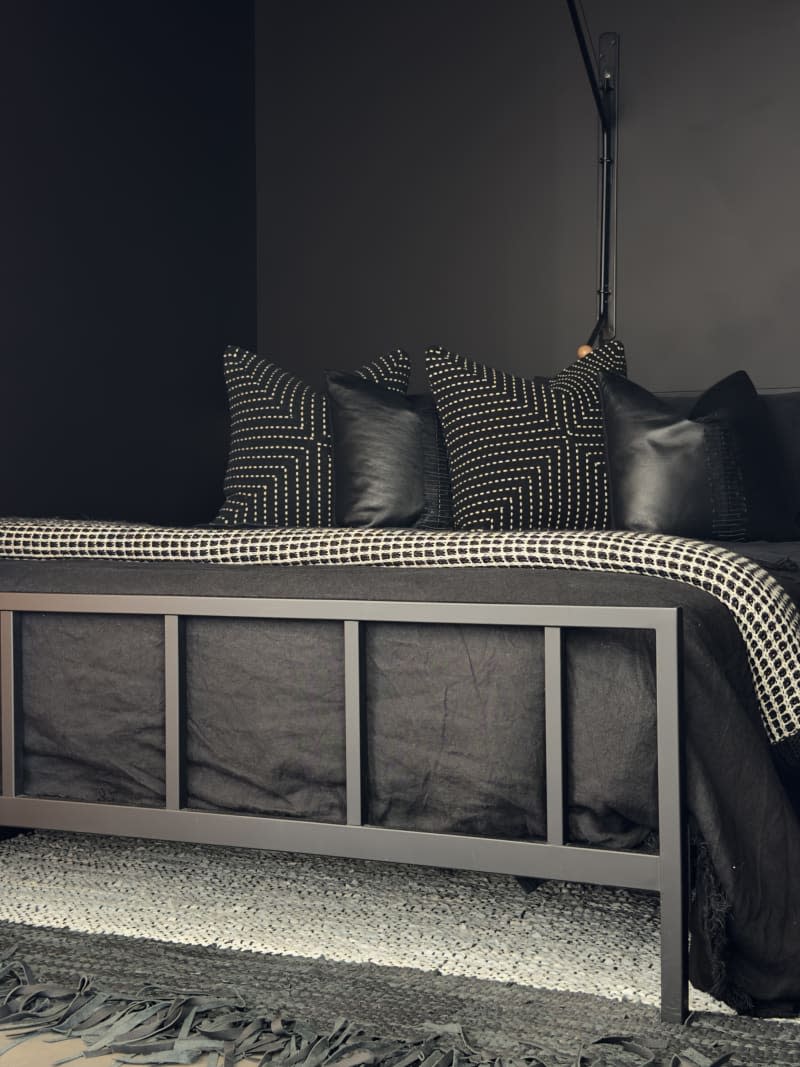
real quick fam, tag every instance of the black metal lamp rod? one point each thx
(603, 291)
(606, 111)
(587, 62)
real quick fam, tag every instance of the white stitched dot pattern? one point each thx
(525, 454)
(280, 457)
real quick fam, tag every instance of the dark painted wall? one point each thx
(709, 260)
(411, 160)
(427, 175)
(127, 196)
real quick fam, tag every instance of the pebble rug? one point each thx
(364, 962)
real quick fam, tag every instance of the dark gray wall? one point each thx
(127, 260)
(427, 175)
(709, 211)
(410, 160)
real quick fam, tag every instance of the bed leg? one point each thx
(674, 962)
(529, 885)
(673, 858)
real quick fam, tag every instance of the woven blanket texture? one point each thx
(765, 615)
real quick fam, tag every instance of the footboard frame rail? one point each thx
(553, 858)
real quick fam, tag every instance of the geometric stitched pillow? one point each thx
(525, 453)
(280, 458)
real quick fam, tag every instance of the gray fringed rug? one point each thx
(183, 953)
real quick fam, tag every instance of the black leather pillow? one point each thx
(716, 474)
(437, 513)
(783, 410)
(389, 459)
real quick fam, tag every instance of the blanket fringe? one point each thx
(713, 907)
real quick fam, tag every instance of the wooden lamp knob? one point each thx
(584, 350)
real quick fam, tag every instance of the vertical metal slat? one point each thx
(353, 710)
(173, 715)
(671, 828)
(8, 704)
(554, 734)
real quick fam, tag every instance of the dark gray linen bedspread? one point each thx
(455, 724)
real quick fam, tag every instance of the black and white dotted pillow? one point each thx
(280, 458)
(525, 453)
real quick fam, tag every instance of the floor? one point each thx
(560, 937)
(38, 1052)
(566, 937)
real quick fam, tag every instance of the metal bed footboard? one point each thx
(665, 872)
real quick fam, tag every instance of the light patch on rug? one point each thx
(564, 936)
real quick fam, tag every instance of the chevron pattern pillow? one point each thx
(525, 454)
(280, 457)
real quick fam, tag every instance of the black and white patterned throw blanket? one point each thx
(766, 616)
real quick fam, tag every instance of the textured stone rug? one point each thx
(567, 937)
(399, 952)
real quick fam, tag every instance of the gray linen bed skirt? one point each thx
(454, 714)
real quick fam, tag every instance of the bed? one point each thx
(548, 700)
(136, 660)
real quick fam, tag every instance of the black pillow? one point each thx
(716, 474)
(524, 453)
(438, 511)
(280, 459)
(389, 458)
(783, 410)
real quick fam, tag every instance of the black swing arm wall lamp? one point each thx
(603, 75)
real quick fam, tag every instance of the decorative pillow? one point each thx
(389, 459)
(524, 453)
(377, 447)
(783, 410)
(716, 474)
(438, 511)
(280, 459)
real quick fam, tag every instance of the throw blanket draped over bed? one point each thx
(767, 618)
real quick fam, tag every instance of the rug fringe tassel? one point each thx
(151, 1027)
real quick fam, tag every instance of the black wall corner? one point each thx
(128, 260)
